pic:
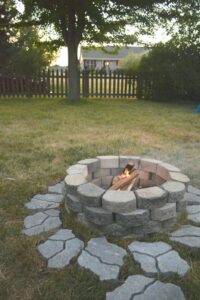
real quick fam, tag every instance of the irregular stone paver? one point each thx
(139, 287)
(171, 262)
(188, 236)
(60, 248)
(192, 199)
(49, 224)
(152, 249)
(50, 248)
(62, 259)
(102, 258)
(62, 235)
(34, 220)
(49, 197)
(44, 201)
(193, 190)
(193, 213)
(38, 205)
(104, 271)
(57, 188)
(162, 291)
(52, 212)
(158, 257)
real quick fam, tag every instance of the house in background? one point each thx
(108, 59)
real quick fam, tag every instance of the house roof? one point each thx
(116, 53)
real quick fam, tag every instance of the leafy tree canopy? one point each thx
(104, 21)
(175, 71)
(131, 63)
(21, 49)
(101, 21)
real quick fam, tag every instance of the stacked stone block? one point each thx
(150, 209)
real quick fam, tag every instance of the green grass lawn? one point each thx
(39, 138)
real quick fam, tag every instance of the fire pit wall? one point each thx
(146, 210)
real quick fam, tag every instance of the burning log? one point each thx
(123, 181)
(134, 183)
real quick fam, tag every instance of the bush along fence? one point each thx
(54, 83)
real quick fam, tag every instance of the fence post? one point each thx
(139, 87)
(85, 83)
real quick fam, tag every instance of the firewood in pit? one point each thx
(128, 168)
(124, 181)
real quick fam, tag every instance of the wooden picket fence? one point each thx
(54, 83)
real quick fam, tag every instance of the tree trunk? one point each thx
(74, 81)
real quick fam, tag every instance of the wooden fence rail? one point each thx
(54, 83)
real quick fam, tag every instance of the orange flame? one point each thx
(126, 172)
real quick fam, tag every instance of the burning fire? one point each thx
(126, 172)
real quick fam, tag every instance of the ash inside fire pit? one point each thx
(122, 195)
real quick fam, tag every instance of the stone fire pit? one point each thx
(146, 210)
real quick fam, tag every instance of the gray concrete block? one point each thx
(175, 189)
(165, 212)
(152, 197)
(109, 161)
(93, 164)
(73, 203)
(78, 169)
(72, 182)
(179, 177)
(90, 194)
(119, 201)
(124, 160)
(106, 181)
(181, 205)
(137, 217)
(149, 165)
(98, 215)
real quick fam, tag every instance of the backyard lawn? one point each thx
(39, 139)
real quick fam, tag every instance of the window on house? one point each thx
(90, 64)
(106, 63)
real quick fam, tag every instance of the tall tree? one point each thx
(101, 21)
(92, 21)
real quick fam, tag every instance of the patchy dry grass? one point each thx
(39, 138)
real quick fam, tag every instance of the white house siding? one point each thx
(99, 64)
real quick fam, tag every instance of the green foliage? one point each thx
(184, 25)
(31, 54)
(21, 49)
(8, 13)
(131, 63)
(175, 70)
